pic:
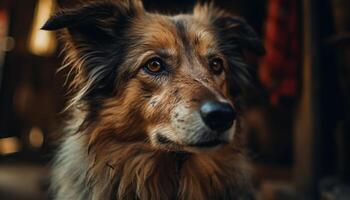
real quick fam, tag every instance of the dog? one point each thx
(154, 112)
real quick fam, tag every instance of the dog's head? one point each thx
(170, 81)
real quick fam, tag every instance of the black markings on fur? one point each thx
(176, 92)
(147, 93)
(211, 180)
(180, 158)
(236, 30)
(110, 166)
(147, 96)
(205, 80)
(195, 100)
(234, 36)
(177, 99)
(177, 96)
(153, 103)
(196, 41)
(197, 81)
(182, 32)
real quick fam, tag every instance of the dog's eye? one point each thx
(216, 65)
(154, 66)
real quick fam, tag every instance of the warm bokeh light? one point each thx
(9, 145)
(41, 42)
(36, 137)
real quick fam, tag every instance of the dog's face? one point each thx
(170, 81)
(184, 75)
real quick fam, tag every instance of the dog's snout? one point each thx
(217, 116)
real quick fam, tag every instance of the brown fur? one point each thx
(110, 151)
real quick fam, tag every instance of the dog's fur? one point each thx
(111, 148)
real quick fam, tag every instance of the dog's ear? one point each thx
(231, 29)
(234, 36)
(94, 36)
(93, 19)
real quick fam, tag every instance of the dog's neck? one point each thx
(129, 171)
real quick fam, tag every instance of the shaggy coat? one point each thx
(138, 79)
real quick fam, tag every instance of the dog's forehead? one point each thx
(175, 33)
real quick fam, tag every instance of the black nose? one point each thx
(217, 116)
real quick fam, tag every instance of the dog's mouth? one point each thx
(205, 144)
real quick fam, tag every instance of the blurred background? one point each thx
(297, 123)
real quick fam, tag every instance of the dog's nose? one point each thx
(217, 116)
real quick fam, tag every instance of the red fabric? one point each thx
(279, 66)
